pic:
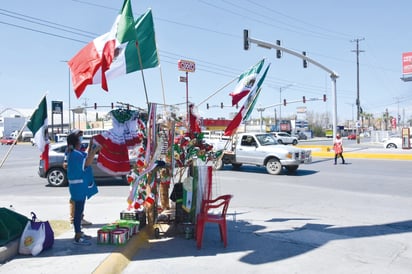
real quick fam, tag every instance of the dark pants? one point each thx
(340, 155)
(78, 213)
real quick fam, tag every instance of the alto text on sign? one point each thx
(185, 65)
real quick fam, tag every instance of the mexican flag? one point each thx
(89, 65)
(38, 124)
(247, 107)
(246, 81)
(137, 54)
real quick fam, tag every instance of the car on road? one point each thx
(394, 142)
(285, 138)
(56, 174)
(352, 136)
(301, 136)
(7, 141)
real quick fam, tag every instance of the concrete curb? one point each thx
(9, 251)
(118, 260)
(357, 155)
(327, 151)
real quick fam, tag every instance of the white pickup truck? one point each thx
(262, 149)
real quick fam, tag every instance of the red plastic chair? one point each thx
(205, 216)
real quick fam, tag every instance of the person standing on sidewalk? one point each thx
(84, 222)
(79, 173)
(338, 148)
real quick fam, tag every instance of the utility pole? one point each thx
(357, 86)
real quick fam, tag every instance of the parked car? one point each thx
(394, 142)
(7, 141)
(285, 138)
(352, 136)
(56, 174)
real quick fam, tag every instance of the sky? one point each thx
(40, 36)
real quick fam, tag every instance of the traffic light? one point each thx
(207, 105)
(112, 105)
(278, 51)
(284, 102)
(221, 105)
(304, 99)
(95, 105)
(324, 97)
(305, 63)
(246, 39)
(128, 106)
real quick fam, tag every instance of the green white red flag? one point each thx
(247, 107)
(138, 54)
(38, 124)
(246, 82)
(89, 65)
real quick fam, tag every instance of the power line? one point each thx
(42, 32)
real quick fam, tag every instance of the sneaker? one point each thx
(85, 222)
(86, 237)
(82, 241)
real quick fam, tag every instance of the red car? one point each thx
(352, 136)
(7, 141)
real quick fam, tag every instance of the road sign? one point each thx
(185, 65)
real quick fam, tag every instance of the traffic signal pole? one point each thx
(333, 75)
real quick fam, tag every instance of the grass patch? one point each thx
(59, 226)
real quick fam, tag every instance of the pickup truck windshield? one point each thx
(266, 139)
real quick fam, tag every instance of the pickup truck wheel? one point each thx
(57, 177)
(291, 168)
(236, 166)
(273, 166)
(295, 142)
(218, 164)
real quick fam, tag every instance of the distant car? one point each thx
(285, 138)
(301, 136)
(56, 174)
(352, 136)
(394, 142)
(7, 141)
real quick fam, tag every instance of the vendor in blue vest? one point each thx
(81, 181)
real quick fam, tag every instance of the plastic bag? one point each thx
(49, 238)
(32, 239)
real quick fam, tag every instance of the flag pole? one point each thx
(160, 70)
(141, 70)
(18, 135)
(216, 92)
(12, 145)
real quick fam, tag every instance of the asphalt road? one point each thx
(352, 218)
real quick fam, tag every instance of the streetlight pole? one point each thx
(280, 99)
(70, 120)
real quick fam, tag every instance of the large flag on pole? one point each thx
(246, 82)
(89, 65)
(38, 124)
(127, 60)
(247, 107)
